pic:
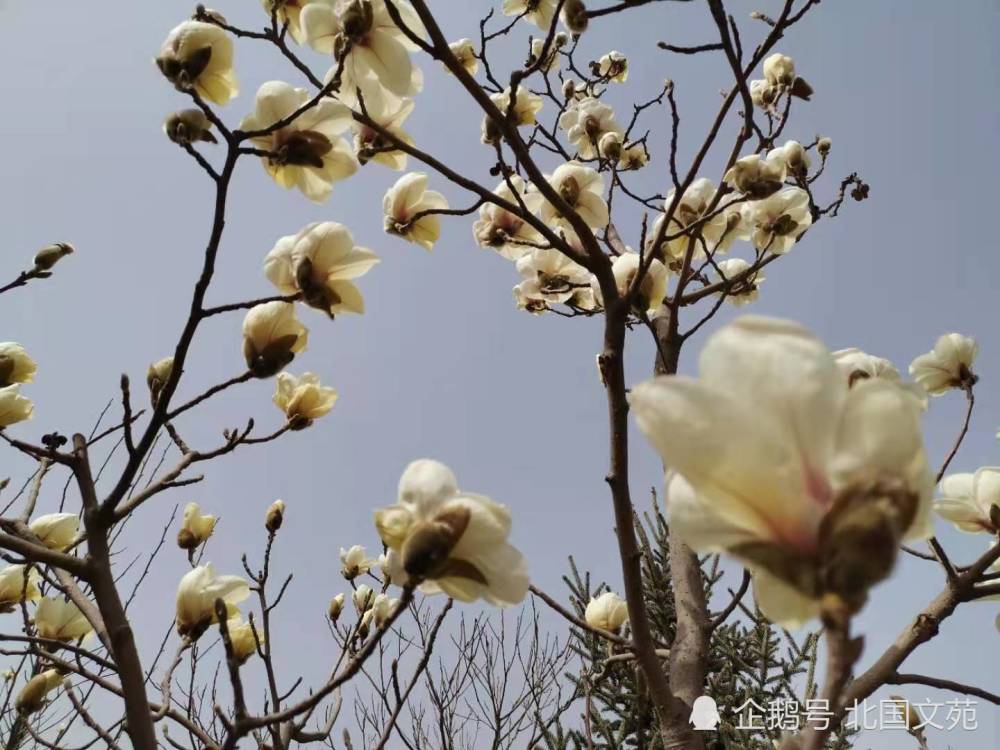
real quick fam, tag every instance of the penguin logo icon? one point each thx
(704, 714)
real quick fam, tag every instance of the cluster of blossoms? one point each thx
(16, 367)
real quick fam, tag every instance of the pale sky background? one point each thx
(442, 364)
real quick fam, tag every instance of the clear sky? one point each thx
(442, 364)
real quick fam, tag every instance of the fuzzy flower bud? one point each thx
(32, 696)
(49, 255)
(274, 516)
(574, 15)
(335, 608)
(188, 126)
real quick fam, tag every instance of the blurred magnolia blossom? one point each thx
(196, 528)
(241, 635)
(60, 620)
(449, 541)
(188, 126)
(33, 694)
(691, 211)
(583, 189)
(585, 122)
(613, 67)
(779, 220)
(756, 177)
(303, 399)
(272, 336)
(948, 365)
(307, 153)
(610, 146)
(335, 607)
(539, 12)
(779, 77)
(773, 458)
(607, 612)
(196, 595)
(507, 233)
(56, 530)
(382, 608)
(746, 289)
(274, 516)
(971, 501)
(792, 157)
(14, 407)
(15, 364)
(157, 376)
(46, 258)
(858, 365)
(551, 61)
(465, 52)
(370, 51)
(408, 207)
(526, 105)
(199, 56)
(363, 598)
(288, 12)
(550, 276)
(779, 69)
(389, 113)
(18, 585)
(354, 562)
(321, 262)
(652, 289)
(633, 157)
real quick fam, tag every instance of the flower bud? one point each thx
(32, 696)
(574, 15)
(363, 598)
(157, 376)
(241, 636)
(274, 516)
(335, 608)
(607, 612)
(569, 88)
(823, 146)
(188, 126)
(195, 528)
(49, 255)
(610, 145)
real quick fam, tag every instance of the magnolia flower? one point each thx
(274, 516)
(972, 501)
(199, 55)
(465, 52)
(336, 607)
(551, 61)
(157, 376)
(241, 636)
(61, 620)
(792, 156)
(450, 541)
(503, 231)
(763, 94)
(195, 528)
(46, 258)
(32, 696)
(585, 122)
(372, 52)
(692, 214)
(857, 365)
(196, 595)
(582, 188)
(539, 12)
(808, 482)
(405, 205)
(526, 106)
(272, 336)
(610, 146)
(389, 113)
(633, 157)
(757, 177)
(56, 530)
(652, 289)
(948, 365)
(747, 289)
(288, 13)
(14, 407)
(550, 276)
(15, 364)
(188, 126)
(18, 585)
(303, 399)
(363, 598)
(779, 70)
(307, 153)
(574, 15)
(320, 262)
(382, 608)
(354, 562)
(607, 612)
(523, 302)
(780, 220)
(613, 67)
(823, 146)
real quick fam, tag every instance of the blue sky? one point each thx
(442, 364)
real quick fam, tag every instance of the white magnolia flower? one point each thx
(763, 94)
(583, 189)
(303, 399)
(274, 516)
(539, 12)
(388, 112)
(14, 407)
(808, 482)
(613, 67)
(607, 612)
(320, 262)
(336, 607)
(610, 146)
(33, 694)
(15, 364)
(354, 562)
(241, 635)
(196, 528)
(652, 290)
(793, 157)
(363, 598)
(450, 541)
(17, 585)
(633, 157)
(856, 364)
(693, 217)
(46, 258)
(157, 376)
(371, 52)
(972, 501)
(585, 122)
(523, 302)
(382, 608)
(747, 289)
(405, 205)
(526, 105)
(465, 52)
(780, 220)
(288, 12)
(549, 276)
(56, 530)
(551, 61)
(757, 177)
(307, 153)
(60, 620)
(196, 595)
(503, 231)
(272, 336)
(948, 365)
(199, 55)
(779, 70)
